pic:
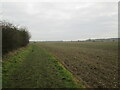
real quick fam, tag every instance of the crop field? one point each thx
(93, 63)
(62, 65)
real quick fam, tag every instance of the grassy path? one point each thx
(33, 67)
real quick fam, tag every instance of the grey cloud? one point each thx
(64, 21)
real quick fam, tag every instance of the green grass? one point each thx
(12, 62)
(34, 67)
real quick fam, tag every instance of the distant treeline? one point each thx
(104, 40)
(13, 37)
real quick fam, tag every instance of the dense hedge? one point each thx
(13, 37)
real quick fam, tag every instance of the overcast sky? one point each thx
(50, 20)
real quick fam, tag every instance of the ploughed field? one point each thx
(62, 65)
(93, 63)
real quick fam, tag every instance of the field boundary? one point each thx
(82, 83)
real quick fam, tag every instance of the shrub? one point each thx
(13, 37)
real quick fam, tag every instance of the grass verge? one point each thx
(34, 67)
(11, 62)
